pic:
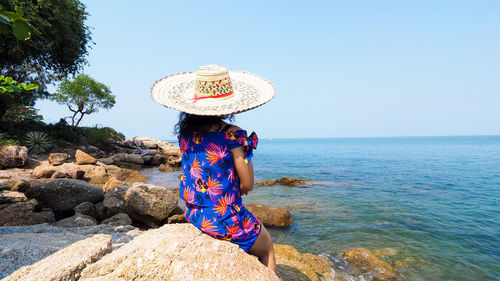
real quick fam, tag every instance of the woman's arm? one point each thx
(244, 171)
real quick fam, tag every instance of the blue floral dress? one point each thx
(210, 186)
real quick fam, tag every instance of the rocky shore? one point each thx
(87, 210)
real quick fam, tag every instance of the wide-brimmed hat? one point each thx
(212, 90)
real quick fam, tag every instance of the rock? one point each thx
(58, 158)
(163, 168)
(95, 174)
(112, 183)
(122, 174)
(22, 213)
(58, 175)
(114, 202)
(118, 219)
(100, 211)
(65, 194)
(74, 258)
(368, 262)
(290, 181)
(157, 159)
(177, 218)
(129, 158)
(271, 216)
(84, 158)
(291, 265)
(20, 185)
(86, 208)
(5, 184)
(147, 202)
(174, 161)
(66, 170)
(76, 221)
(8, 196)
(12, 156)
(169, 149)
(26, 245)
(266, 183)
(106, 160)
(177, 252)
(147, 142)
(45, 170)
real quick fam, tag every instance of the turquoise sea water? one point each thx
(429, 205)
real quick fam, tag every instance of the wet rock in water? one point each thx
(112, 183)
(86, 208)
(293, 265)
(368, 262)
(178, 252)
(65, 194)
(266, 183)
(177, 218)
(23, 213)
(271, 216)
(164, 168)
(290, 181)
(8, 197)
(74, 258)
(76, 221)
(20, 185)
(58, 158)
(12, 156)
(118, 219)
(83, 158)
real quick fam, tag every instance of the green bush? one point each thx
(5, 140)
(97, 136)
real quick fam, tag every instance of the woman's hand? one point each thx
(244, 171)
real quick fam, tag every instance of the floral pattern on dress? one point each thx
(210, 185)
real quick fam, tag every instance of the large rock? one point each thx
(12, 156)
(291, 265)
(26, 245)
(83, 158)
(174, 161)
(147, 142)
(23, 213)
(271, 216)
(76, 221)
(266, 183)
(68, 263)
(169, 149)
(368, 262)
(5, 184)
(58, 158)
(7, 197)
(112, 183)
(20, 185)
(145, 203)
(123, 174)
(290, 181)
(86, 208)
(129, 158)
(178, 252)
(66, 170)
(94, 174)
(65, 194)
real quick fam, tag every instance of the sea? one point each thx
(430, 206)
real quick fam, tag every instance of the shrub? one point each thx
(37, 142)
(97, 136)
(5, 140)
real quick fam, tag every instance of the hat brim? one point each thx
(177, 91)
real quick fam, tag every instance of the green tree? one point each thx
(83, 95)
(42, 60)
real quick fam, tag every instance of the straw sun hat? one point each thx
(212, 90)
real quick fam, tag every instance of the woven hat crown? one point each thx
(212, 81)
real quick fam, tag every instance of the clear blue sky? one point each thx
(341, 68)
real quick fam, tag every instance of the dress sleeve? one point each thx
(239, 138)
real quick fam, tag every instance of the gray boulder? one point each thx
(118, 219)
(86, 208)
(23, 213)
(65, 194)
(76, 221)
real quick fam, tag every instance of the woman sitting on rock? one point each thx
(216, 156)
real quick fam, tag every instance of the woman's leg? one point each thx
(264, 250)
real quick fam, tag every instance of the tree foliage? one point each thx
(83, 95)
(44, 59)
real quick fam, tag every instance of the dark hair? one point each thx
(189, 123)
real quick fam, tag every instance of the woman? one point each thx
(216, 156)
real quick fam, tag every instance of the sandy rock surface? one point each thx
(295, 266)
(178, 252)
(368, 262)
(26, 245)
(67, 263)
